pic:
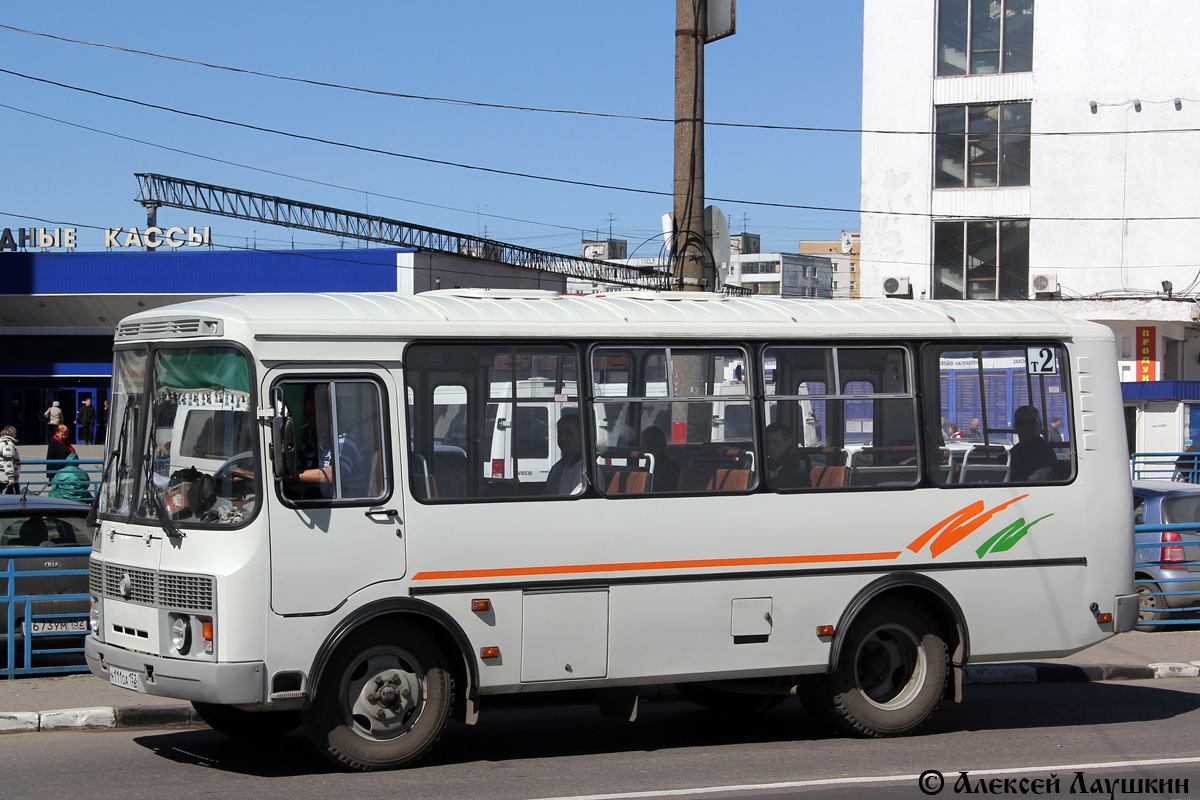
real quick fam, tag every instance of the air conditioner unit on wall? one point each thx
(897, 287)
(1043, 284)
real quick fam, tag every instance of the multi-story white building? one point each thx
(1049, 153)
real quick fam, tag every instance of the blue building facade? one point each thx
(58, 311)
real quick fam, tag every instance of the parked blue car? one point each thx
(1166, 563)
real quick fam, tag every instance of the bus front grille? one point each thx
(151, 588)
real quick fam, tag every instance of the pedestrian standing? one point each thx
(87, 421)
(10, 461)
(54, 417)
(57, 450)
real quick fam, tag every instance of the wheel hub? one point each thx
(384, 695)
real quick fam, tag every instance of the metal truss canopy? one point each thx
(160, 190)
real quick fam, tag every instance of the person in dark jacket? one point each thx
(87, 421)
(785, 467)
(57, 450)
(1031, 458)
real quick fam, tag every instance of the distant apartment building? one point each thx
(777, 274)
(843, 254)
(784, 274)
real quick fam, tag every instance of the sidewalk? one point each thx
(82, 701)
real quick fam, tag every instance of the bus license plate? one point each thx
(126, 679)
(61, 626)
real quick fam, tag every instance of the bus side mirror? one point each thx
(283, 447)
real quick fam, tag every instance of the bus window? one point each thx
(672, 419)
(494, 409)
(1005, 412)
(339, 441)
(840, 417)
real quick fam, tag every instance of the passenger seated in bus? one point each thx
(1032, 458)
(665, 469)
(566, 476)
(785, 466)
(314, 459)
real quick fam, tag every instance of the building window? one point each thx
(978, 37)
(981, 260)
(982, 146)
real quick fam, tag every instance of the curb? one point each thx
(95, 717)
(974, 674)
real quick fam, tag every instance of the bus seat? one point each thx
(900, 475)
(983, 473)
(721, 479)
(823, 477)
(628, 482)
(730, 480)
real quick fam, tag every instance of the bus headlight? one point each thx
(181, 635)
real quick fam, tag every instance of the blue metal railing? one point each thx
(1165, 466)
(1170, 587)
(21, 641)
(30, 470)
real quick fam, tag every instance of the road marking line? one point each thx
(751, 787)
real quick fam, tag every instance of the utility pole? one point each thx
(697, 22)
(689, 254)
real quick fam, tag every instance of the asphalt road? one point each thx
(1139, 729)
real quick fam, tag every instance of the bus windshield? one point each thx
(128, 388)
(195, 459)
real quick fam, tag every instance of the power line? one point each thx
(569, 111)
(551, 179)
(574, 228)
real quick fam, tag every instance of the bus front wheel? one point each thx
(383, 701)
(891, 673)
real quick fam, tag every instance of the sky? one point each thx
(80, 118)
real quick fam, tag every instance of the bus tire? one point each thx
(723, 701)
(891, 673)
(1152, 606)
(383, 701)
(248, 726)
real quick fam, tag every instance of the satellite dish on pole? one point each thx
(716, 231)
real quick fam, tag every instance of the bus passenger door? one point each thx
(337, 524)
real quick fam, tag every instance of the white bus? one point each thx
(763, 504)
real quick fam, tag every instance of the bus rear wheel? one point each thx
(383, 701)
(891, 673)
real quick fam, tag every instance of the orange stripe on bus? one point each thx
(569, 569)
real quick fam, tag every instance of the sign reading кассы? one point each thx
(152, 237)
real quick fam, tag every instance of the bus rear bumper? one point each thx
(205, 682)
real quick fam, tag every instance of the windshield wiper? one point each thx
(149, 489)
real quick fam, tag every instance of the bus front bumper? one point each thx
(200, 681)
